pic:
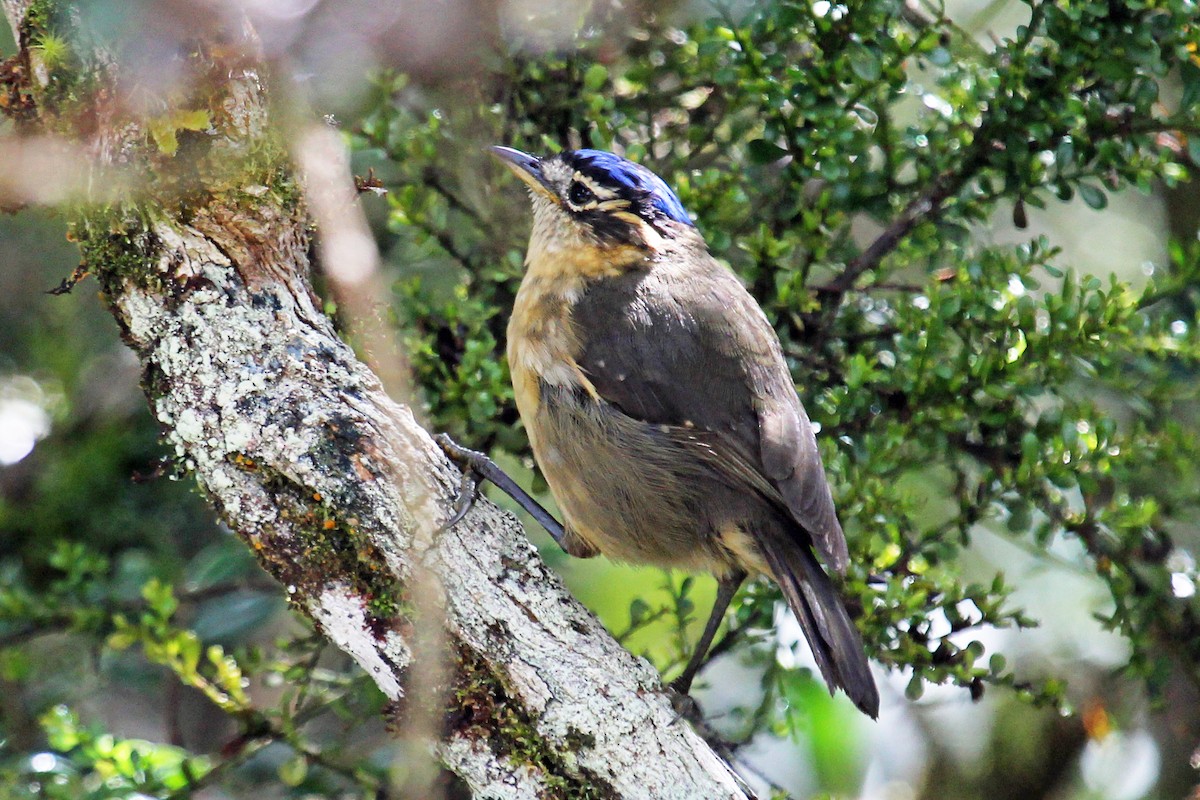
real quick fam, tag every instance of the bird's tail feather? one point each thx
(835, 643)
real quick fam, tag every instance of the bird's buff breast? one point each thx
(542, 347)
(624, 487)
(619, 483)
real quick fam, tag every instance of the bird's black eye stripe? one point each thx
(580, 195)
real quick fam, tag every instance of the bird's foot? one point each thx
(468, 489)
(477, 467)
(685, 705)
(683, 684)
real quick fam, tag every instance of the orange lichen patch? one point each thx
(244, 461)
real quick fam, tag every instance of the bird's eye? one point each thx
(580, 195)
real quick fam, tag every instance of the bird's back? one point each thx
(683, 344)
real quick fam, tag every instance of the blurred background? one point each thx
(845, 113)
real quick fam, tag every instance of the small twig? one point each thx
(444, 241)
(69, 282)
(160, 468)
(858, 337)
(641, 624)
(218, 770)
(433, 179)
(64, 621)
(309, 671)
(925, 208)
(369, 184)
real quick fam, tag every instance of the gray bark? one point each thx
(14, 11)
(340, 491)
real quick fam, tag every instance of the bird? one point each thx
(660, 409)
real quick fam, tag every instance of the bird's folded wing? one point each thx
(699, 357)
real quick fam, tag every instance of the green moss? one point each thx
(53, 50)
(43, 17)
(481, 708)
(67, 82)
(325, 544)
(119, 246)
(192, 158)
(578, 740)
(266, 165)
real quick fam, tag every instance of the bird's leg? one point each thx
(726, 588)
(477, 467)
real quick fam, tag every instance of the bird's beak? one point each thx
(526, 167)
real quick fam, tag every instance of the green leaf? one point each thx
(1093, 196)
(638, 609)
(122, 639)
(1189, 72)
(763, 152)
(293, 771)
(594, 77)
(188, 645)
(228, 675)
(1194, 149)
(160, 597)
(61, 727)
(865, 64)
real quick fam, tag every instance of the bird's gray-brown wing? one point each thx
(689, 348)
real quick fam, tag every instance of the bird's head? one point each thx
(591, 199)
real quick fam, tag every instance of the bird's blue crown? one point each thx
(631, 180)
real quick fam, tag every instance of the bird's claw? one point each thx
(477, 467)
(685, 707)
(468, 488)
(468, 493)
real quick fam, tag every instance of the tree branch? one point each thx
(14, 12)
(924, 208)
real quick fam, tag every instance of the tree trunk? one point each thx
(335, 486)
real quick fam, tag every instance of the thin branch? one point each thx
(218, 771)
(925, 208)
(65, 620)
(929, 205)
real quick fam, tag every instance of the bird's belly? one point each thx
(627, 490)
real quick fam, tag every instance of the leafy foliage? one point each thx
(86, 761)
